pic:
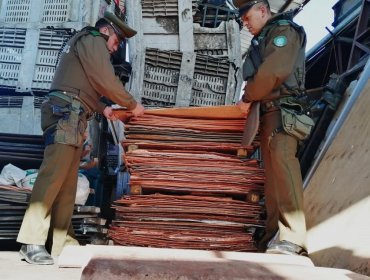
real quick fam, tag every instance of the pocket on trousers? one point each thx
(70, 130)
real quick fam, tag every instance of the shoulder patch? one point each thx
(95, 33)
(280, 41)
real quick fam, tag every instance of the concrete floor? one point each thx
(138, 263)
(117, 263)
(12, 268)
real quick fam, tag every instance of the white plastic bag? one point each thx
(11, 175)
(83, 185)
(29, 181)
(83, 189)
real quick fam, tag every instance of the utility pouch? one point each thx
(294, 120)
(70, 128)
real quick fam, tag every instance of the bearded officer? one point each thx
(84, 75)
(273, 69)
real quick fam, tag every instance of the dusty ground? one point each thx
(12, 268)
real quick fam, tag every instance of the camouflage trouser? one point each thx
(283, 186)
(53, 196)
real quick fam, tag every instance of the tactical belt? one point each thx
(69, 97)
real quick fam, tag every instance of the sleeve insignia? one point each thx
(280, 41)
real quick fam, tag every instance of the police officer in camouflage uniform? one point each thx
(83, 76)
(274, 69)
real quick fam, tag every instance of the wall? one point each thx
(338, 195)
(22, 120)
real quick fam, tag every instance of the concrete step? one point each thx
(120, 262)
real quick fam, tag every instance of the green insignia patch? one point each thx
(95, 33)
(280, 41)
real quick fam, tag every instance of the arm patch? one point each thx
(280, 41)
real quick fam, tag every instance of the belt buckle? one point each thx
(266, 107)
(269, 105)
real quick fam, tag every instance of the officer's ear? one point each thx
(104, 30)
(264, 11)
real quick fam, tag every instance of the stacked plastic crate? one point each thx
(31, 34)
(11, 52)
(186, 53)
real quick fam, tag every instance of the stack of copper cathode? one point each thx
(189, 187)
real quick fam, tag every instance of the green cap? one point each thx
(119, 26)
(245, 5)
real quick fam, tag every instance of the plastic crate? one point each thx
(50, 43)
(203, 98)
(46, 12)
(56, 11)
(11, 101)
(12, 41)
(213, 13)
(161, 76)
(36, 67)
(210, 81)
(207, 72)
(162, 8)
(38, 100)
(16, 11)
(162, 72)
(29, 66)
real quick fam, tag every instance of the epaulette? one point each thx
(283, 22)
(95, 33)
(91, 30)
